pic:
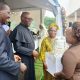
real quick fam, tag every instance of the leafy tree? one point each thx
(48, 21)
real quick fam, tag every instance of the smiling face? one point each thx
(52, 32)
(4, 14)
(26, 18)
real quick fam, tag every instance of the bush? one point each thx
(48, 21)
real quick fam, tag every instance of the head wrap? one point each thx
(53, 25)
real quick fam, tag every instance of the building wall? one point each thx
(73, 6)
(15, 17)
(71, 19)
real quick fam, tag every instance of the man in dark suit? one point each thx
(23, 41)
(9, 69)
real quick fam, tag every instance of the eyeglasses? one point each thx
(30, 19)
(52, 30)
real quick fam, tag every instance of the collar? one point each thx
(24, 26)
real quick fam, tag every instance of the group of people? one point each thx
(23, 43)
(71, 57)
(23, 60)
(11, 65)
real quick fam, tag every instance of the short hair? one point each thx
(24, 13)
(3, 5)
(76, 29)
(76, 25)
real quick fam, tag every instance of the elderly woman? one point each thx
(47, 46)
(71, 57)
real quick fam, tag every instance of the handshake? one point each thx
(23, 67)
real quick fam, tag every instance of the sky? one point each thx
(63, 3)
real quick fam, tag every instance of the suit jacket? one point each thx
(71, 63)
(9, 69)
(23, 42)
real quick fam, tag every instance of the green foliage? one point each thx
(48, 21)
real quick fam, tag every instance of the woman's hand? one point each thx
(59, 75)
(44, 65)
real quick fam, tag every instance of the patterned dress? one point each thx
(46, 46)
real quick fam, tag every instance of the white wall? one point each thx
(15, 17)
(73, 6)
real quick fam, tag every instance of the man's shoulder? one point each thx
(19, 27)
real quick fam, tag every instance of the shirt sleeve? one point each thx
(6, 63)
(42, 50)
(21, 49)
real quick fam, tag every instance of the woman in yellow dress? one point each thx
(47, 45)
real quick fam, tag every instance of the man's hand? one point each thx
(23, 67)
(35, 53)
(17, 58)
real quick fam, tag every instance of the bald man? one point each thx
(9, 69)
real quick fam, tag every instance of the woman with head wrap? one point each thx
(47, 45)
(71, 57)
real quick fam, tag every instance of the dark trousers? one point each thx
(30, 73)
